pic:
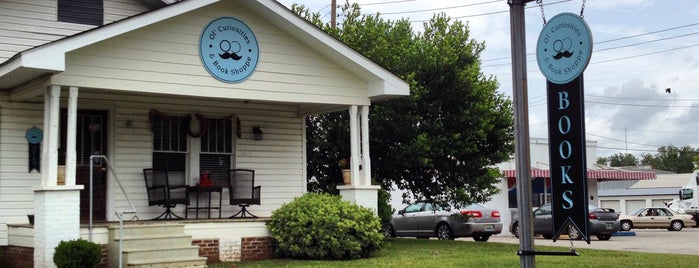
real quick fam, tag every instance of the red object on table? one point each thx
(205, 180)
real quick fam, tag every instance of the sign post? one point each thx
(563, 51)
(519, 94)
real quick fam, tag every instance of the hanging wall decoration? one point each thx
(34, 137)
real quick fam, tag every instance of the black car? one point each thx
(602, 223)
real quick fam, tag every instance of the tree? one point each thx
(442, 141)
(671, 158)
(618, 160)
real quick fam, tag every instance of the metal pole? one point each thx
(519, 90)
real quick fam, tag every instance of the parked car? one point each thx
(602, 223)
(656, 217)
(424, 220)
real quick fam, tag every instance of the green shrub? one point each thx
(322, 226)
(77, 254)
(385, 210)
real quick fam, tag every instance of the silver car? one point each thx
(655, 218)
(424, 220)
(602, 223)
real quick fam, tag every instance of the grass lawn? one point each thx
(404, 253)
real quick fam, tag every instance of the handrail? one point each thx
(119, 215)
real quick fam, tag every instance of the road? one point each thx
(648, 240)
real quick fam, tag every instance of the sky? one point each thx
(641, 48)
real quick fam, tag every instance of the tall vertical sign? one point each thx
(563, 51)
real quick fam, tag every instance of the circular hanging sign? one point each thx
(228, 49)
(564, 48)
(34, 135)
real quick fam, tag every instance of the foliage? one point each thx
(77, 254)
(440, 142)
(322, 226)
(671, 158)
(385, 210)
(618, 160)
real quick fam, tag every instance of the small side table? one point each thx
(208, 190)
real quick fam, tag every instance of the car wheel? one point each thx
(604, 236)
(481, 237)
(626, 225)
(444, 232)
(388, 230)
(573, 233)
(676, 225)
(515, 229)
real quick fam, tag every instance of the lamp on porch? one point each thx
(257, 133)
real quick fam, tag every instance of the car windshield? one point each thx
(635, 212)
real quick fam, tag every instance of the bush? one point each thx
(77, 254)
(321, 226)
(385, 210)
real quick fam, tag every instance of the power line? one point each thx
(647, 130)
(494, 12)
(618, 47)
(441, 8)
(643, 99)
(386, 2)
(648, 33)
(622, 38)
(626, 142)
(627, 149)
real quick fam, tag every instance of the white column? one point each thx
(56, 208)
(44, 142)
(50, 146)
(70, 135)
(354, 145)
(366, 160)
(360, 192)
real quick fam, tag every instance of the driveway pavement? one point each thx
(647, 240)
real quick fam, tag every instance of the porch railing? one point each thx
(119, 214)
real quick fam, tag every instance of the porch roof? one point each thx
(47, 59)
(599, 174)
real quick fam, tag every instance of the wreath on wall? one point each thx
(196, 125)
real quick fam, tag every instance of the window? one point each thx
(217, 150)
(89, 12)
(169, 143)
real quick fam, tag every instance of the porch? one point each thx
(219, 240)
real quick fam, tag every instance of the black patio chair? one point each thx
(242, 191)
(167, 189)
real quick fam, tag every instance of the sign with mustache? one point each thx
(563, 52)
(564, 48)
(228, 50)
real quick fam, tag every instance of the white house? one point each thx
(189, 86)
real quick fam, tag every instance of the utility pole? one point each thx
(333, 13)
(519, 92)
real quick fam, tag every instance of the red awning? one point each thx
(599, 174)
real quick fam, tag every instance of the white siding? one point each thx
(163, 58)
(115, 10)
(16, 194)
(25, 24)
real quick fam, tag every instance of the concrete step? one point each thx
(154, 241)
(198, 262)
(147, 229)
(170, 252)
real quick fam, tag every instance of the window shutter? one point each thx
(89, 12)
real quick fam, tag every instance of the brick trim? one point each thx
(256, 248)
(208, 248)
(16, 256)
